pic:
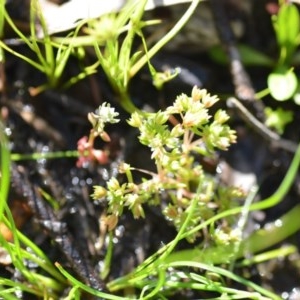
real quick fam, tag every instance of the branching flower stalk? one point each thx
(175, 151)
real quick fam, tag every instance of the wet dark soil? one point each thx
(56, 119)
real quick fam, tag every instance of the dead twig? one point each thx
(243, 86)
(260, 128)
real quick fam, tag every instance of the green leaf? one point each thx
(249, 56)
(282, 84)
(288, 25)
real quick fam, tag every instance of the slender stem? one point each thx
(49, 155)
(225, 273)
(5, 169)
(108, 256)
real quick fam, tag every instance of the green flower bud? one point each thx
(221, 116)
(113, 184)
(99, 192)
(135, 120)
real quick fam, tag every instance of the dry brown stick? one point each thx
(243, 86)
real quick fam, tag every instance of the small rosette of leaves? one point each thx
(179, 178)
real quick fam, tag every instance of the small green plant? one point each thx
(179, 177)
(115, 38)
(51, 58)
(283, 81)
(204, 212)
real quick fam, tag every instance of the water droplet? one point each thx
(75, 180)
(7, 131)
(89, 181)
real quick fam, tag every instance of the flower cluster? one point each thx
(104, 114)
(85, 146)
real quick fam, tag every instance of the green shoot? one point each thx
(51, 58)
